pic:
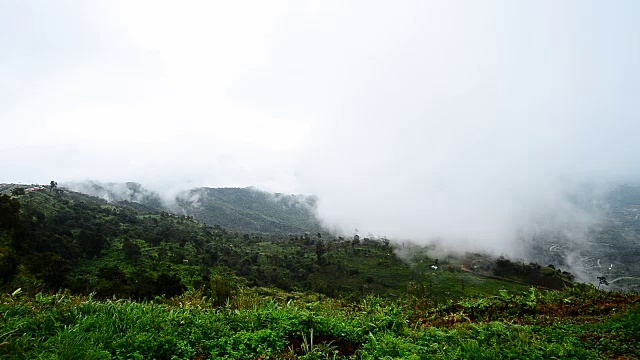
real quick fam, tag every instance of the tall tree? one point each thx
(9, 212)
(17, 191)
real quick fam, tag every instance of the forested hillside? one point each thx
(250, 210)
(245, 210)
(54, 240)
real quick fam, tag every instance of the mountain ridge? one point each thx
(246, 210)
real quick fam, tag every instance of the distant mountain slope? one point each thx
(249, 210)
(245, 210)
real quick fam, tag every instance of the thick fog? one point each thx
(477, 124)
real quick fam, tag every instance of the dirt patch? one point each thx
(596, 306)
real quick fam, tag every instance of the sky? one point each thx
(459, 120)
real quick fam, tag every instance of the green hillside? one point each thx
(83, 278)
(245, 210)
(89, 245)
(250, 210)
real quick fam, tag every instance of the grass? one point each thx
(273, 324)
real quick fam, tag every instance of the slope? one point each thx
(70, 240)
(246, 210)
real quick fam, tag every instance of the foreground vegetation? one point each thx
(260, 323)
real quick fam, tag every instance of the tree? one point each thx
(602, 281)
(385, 241)
(112, 281)
(17, 191)
(132, 251)
(9, 262)
(320, 250)
(50, 268)
(53, 186)
(9, 212)
(169, 285)
(91, 242)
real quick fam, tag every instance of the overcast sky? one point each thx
(406, 118)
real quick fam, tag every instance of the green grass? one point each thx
(268, 323)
